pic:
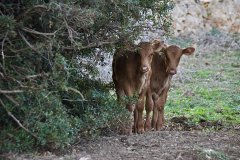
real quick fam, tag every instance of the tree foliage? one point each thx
(48, 94)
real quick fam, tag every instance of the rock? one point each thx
(85, 158)
(191, 17)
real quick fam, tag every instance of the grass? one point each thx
(212, 93)
(211, 154)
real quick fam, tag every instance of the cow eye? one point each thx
(150, 56)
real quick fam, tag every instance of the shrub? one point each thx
(48, 91)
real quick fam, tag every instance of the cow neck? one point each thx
(167, 75)
(141, 77)
(164, 77)
(162, 66)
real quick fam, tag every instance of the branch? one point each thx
(16, 120)
(36, 32)
(37, 75)
(3, 56)
(71, 100)
(19, 50)
(10, 92)
(1, 74)
(91, 45)
(30, 10)
(25, 40)
(76, 91)
(70, 31)
(28, 87)
(12, 100)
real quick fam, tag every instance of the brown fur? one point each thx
(164, 66)
(131, 75)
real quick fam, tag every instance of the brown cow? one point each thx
(131, 75)
(164, 66)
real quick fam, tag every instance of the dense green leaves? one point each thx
(48, 93)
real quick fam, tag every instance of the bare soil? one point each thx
(170, 145)
(166, 145)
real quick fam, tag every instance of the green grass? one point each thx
(212, 94)
(211, 154)
(204, 73)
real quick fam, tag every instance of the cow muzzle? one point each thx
(144, 69)
(172, 71)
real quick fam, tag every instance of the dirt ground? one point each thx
(159, 145)
(168, 145)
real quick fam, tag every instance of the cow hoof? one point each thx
(155, 129)
(147, 127)
(140, 131)
(159, 127)
(126, 131)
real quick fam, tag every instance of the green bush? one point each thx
(49, 96)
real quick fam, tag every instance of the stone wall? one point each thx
(191, 17)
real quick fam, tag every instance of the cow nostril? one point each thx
(145, 69)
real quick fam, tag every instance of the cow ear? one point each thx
(188, 51)
(157, 45)
(165, 46)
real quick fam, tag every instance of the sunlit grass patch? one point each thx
(212, 95)
(204, 73)
(211, 154)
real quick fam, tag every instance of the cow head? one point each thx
(146, 51)
(173, 55)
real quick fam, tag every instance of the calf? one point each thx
(164, 66)
(131, 75)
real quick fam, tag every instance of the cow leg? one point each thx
(120, 94)
(131, 125)
(131, 109)
(160, 120)
(155, 115)
(135, 120)
(139, 118)
(127, 128)
(161, 103)
(149, 108)
(119, 90)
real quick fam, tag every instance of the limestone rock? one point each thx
(191, 17)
